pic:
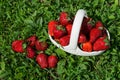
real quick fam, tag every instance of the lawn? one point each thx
(21, 18)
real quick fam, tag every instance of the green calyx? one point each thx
(60, 27)
(107, 42)
(53, 54)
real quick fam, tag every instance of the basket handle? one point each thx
(76, 28)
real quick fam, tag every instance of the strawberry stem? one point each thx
(60, 27)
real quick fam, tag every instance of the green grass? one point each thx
(21, 18)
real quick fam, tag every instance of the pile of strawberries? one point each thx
(31, 46)
(92, 36)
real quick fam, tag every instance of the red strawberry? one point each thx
(64, 41)
(51, 26)
(63, 18)
(84, 24)
(18, 46)
(30, 52)
(94, 34)
(69, 28)
(85, 20)
(82, 38)
(87, 46)
(101, 44)
(41, 45)
(52, 61)
(59, 32)
(98, 24)
(87, 25)
(31, 40)
(42, 60)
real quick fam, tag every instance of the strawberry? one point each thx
(51, 26)
(18, 46)
(69, 28)
(59, 32)
(64, 41)
(85, 21)
(87, 46)
(99, 24)
(30, 52)
(63, 18)
(31, 40)
(42, 60)
(101, 44)
(41, 45)
(84, 24)
(52, 61)
(94, 34)
(82, 38)
(87, 25)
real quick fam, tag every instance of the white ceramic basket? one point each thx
(73, 48)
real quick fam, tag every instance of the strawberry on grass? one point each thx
(52, 61)
(42, 60)
(31, 40)
(30, 52)
(18, 46)
(40, 45)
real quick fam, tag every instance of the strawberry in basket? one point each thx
(90, 32)
(59, 32)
